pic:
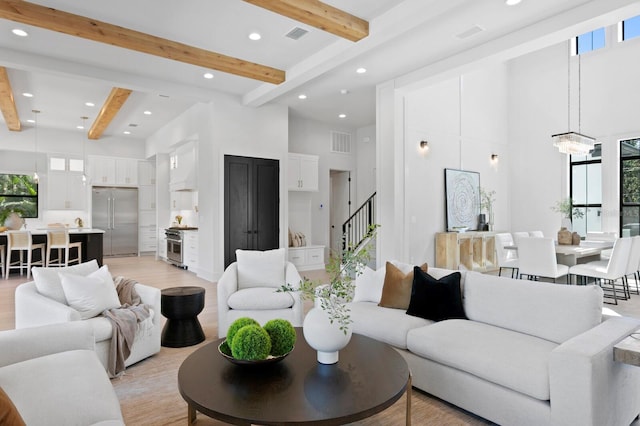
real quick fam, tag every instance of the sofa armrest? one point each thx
(227, 285)
(21, 345)
(150, 296)
(587, 386)
(33, 309)
(293, 279)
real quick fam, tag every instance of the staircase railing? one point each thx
(354, 229)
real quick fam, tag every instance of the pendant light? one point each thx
(573, 142)
(84, 149)
(36, 178)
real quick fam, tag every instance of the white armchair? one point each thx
(247, 288)
(33, 309)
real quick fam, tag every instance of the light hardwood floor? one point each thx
(148, 392)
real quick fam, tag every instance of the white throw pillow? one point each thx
(92, 294)
(48, 282)
(261, 268)
(369, 285)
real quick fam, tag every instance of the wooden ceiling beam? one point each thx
(319, 15)
(112, 105)
(91, 29)
(8, 103)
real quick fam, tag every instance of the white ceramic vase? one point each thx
(323, 336)
(14, 221)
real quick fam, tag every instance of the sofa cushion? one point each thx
(260, 298)
(514, 360)
(9, 414)
(66, 388)
(550, 311)
(436, 299)
(261, 268)
(48, 282)
(387, 325)
(92, 294)
(369, 285)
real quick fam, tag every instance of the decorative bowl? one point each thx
(225, 351)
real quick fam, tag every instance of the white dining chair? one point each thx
(632, 265)
(506, 258)
(537, 234)
(607, 273)
(602, 236)
(518, 235)
(537, 259)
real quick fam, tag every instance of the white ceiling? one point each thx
(63, 72)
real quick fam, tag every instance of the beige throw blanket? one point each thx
(125, 322)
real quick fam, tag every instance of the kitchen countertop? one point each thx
(43, 231)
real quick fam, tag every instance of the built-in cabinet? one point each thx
(113, 171)
(307, 258)
(147, 227)
(183, 200)
(190, 250)
(182, 168)
(66, 188)
(476, 251)
(303, 172)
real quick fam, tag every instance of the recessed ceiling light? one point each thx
(147, 113)
(302, 96)
(90, 104)
(126, 132)
(27, 95)
(208, 75)
(31, 120)
(512, 2)
(361, 70)
(80, 127)
(344, 91)
(255, 36)
(342, 115)
(19, 32)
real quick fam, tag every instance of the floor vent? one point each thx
(341, 142)
(297, 33)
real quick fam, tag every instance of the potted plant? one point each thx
(327, 326)
(565, 207)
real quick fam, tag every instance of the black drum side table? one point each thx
(181, 306)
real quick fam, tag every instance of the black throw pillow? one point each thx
(435, 299)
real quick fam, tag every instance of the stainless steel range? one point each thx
(174, 246)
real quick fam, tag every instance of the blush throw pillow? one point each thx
(92, 294)
(436, 299)
(396, 290)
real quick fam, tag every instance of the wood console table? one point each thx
(476, 251)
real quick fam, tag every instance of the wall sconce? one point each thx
(494, 158)
(424, 146)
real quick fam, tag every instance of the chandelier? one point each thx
(573, 142)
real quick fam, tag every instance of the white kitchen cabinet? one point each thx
(66, 191)
(183, 168)
(146, 197)
(113, 171)
(303, 172)
(146, 173)
(190, 250)
(307, 258)
(182, 200)
(162, 244)
(147, 238)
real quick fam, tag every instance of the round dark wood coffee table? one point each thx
(181, 306)
(369, 377)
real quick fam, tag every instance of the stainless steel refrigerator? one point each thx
(115, 211)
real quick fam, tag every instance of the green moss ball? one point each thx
(282, 334)
(251, 343)
(237, 325)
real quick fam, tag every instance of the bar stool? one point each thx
(2, 260)
(58, 239)
(21, 241)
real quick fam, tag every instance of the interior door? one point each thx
(340, 206)
(251, 205)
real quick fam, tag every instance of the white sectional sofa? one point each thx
(530, 353)
(53, 376)
(36, 307)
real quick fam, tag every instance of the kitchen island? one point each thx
(91, 239)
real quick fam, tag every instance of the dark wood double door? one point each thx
(251, 205)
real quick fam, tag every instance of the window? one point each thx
(18, 193)
(590, 41)
(586, 191)
(630, 187)
(631, 28)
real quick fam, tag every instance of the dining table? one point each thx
(586, 251)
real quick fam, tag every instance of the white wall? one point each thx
(224, 127)
(365, 163)
(314, 138)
